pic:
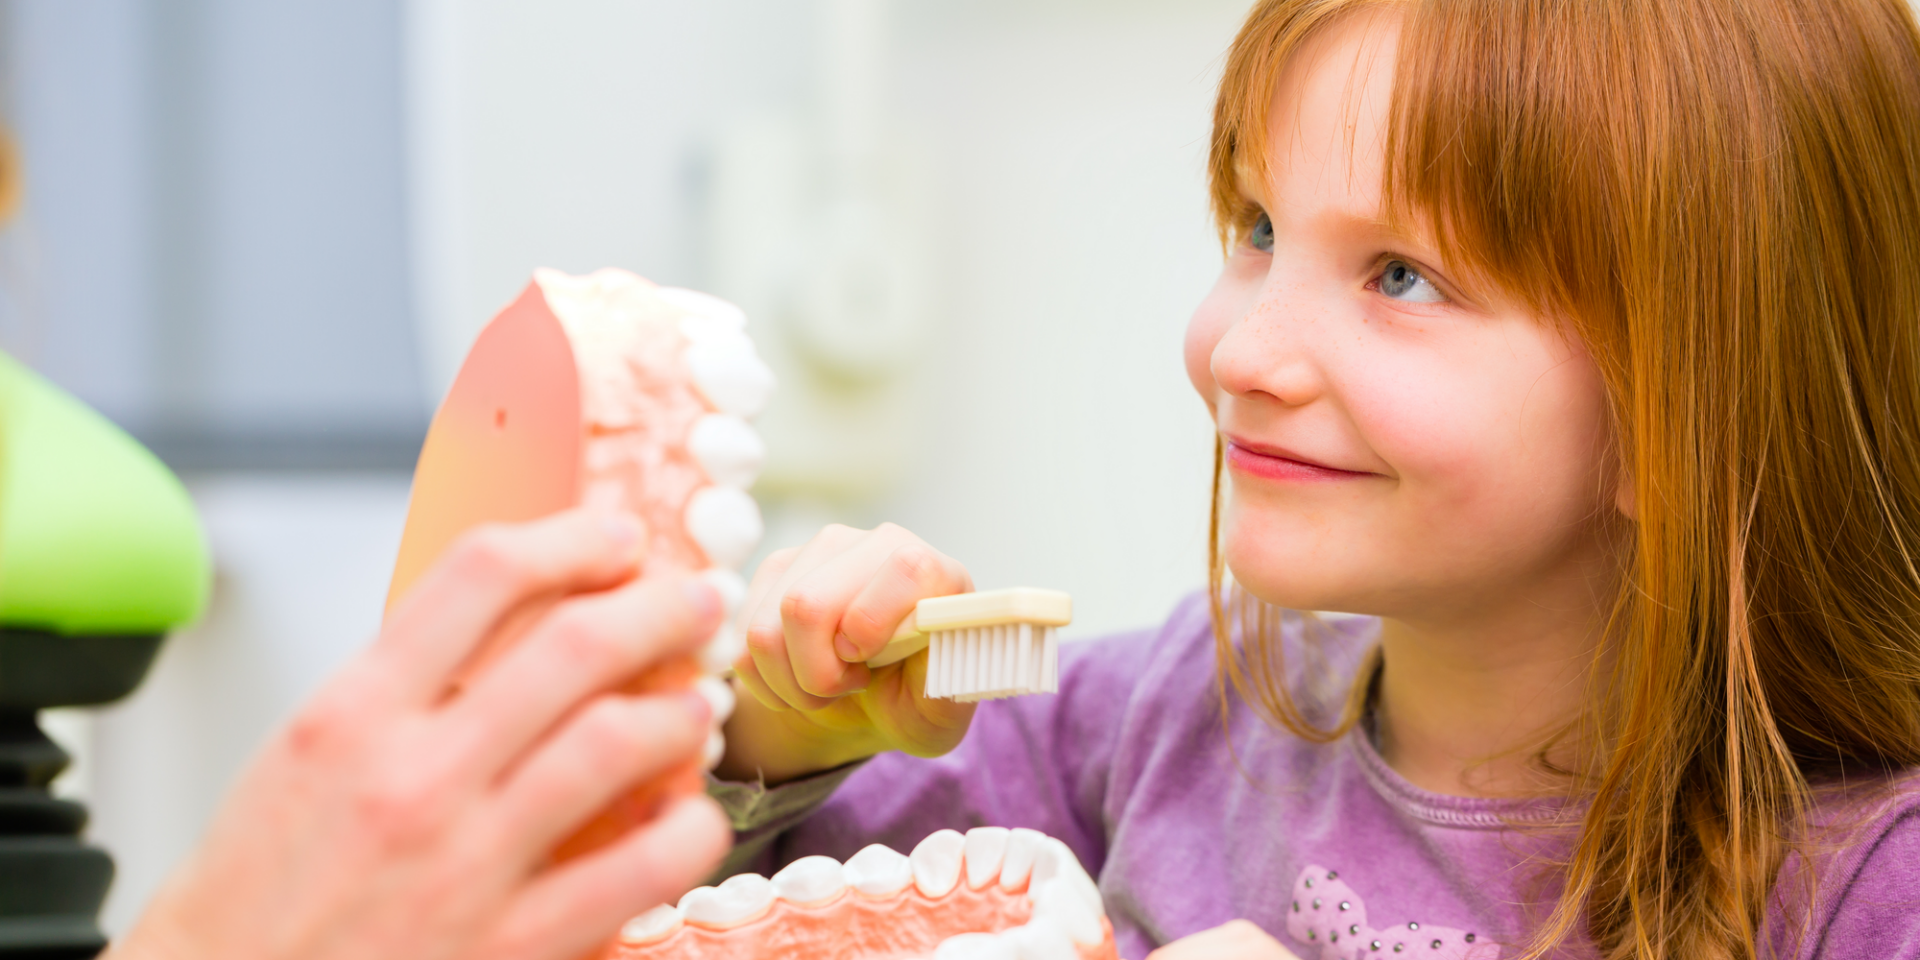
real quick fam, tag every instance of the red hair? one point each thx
(1722, 198)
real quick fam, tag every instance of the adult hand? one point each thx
(813, 617)
(392, 819)
(1238, 940)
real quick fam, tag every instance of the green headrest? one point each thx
(96, 535)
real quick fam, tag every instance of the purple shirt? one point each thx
(1131, 766)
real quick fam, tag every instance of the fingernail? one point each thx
(705, 600)
(843, 645)
(697, 707)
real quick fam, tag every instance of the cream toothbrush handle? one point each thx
(984, 609)
(907, 641)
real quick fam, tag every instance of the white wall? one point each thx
(1066, 448)
(1058, 444)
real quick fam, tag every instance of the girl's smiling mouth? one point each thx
(1276, 463)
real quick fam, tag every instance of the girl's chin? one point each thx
(1293, 587)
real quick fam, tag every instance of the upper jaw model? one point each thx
(992, 894)
(606, 391)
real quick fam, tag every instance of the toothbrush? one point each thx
(985, 646)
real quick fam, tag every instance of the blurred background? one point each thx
(259, 235)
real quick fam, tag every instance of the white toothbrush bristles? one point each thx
(988, 663)
(984, 646)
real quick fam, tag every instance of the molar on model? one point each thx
(879, 871)
(740, 900)
(730, 451)
(881, 905)
(725, 523)
(811, 881)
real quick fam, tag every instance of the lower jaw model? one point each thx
(991, 894)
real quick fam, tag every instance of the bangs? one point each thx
(1478, 157)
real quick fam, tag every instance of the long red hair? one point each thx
(1722, 198)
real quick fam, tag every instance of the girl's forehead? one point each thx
(1328, 112)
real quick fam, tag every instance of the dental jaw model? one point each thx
(609, 391)
(992, 894)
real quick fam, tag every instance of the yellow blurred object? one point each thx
(12, 179)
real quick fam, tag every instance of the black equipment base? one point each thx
(52, 883)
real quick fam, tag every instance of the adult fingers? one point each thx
(485, 576)
(585, 645)
(568, 911)
(911, 573)
(597, 755)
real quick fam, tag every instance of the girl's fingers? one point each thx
(810, 614)
(770, 577)
(773, 669)
(903, 714)
(484, 577)
(570, 910)
(1236, 940)
(583, 646)
(911, 573)
(783, 567)
(748, 673)
(603, 750)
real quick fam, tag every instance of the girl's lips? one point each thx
(1269, 464)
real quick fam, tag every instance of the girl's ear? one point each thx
(1623, 496)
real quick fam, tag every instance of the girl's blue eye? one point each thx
(1402, 282)
(1261, 236)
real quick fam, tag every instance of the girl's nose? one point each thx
(1267, 354)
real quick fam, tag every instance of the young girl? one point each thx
(1572, 345)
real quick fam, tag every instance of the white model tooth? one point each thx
(730, 375)
(986, 847)
(740, 900)
(1055, 860)
(719, 696)
(731, 587)
(725, 523)
(878, 871)
(651, 927)
(704, 305)
(727, 645)
(810, 881)
(1022, 845)
(715, 749)
(730, 451)
(975, 946)
(1058, 902)
(936, 862)
(1041, 939)
(608, 280)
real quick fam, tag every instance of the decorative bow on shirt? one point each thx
(1327, 912)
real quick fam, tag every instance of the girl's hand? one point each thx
(1238, 940)
(390, 819)
(814, 616)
